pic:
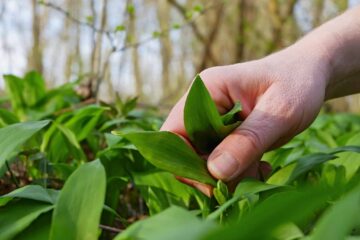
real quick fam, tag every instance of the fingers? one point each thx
(259, 170)
(204, 188)
(175, 121)
(245, 145)
(214, 79)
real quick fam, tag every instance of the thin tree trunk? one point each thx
(166, 50)
(134, 53)
(278, 20)
(35, 59)
(98, 52)
(211, 38)
(318, 10)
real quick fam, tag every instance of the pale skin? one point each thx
(281, 95)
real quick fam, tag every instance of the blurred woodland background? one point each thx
(150, 48)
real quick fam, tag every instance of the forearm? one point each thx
(337, 43)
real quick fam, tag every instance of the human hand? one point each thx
(281, 95)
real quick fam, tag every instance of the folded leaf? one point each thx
(203, 123)
(169, 152)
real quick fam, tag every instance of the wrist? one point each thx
(337, 45)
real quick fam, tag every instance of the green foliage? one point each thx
(13, 136)
(169, 152)
(78, 209)
(16, 216)
(50, 140)
(173, 223)
(204, 125)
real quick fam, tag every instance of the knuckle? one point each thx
(253, 137)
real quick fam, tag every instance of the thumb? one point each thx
(248, 142)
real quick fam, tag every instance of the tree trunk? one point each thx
(35, 59)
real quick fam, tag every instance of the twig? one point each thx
(72, 18)
(110, 34)
(110, 229)
(13, 178)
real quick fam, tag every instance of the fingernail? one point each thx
(223, 166)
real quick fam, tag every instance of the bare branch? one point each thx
(110, 34)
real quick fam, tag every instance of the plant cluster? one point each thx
(64, 175)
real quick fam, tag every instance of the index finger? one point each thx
(175, 122)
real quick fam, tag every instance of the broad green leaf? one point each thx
(161, 190)
(174, 223)
(288, 231)
(290, 172)
(275, 211)
(252, 186)
(203, 123)
(34, 88)
(347, 209)
(7, 118)
(60, 143)
(164, 181)
(78, 209)
(85, 120)
(15, 87)
(16, 216)
(350, 160)
(13, 136)
(169, 152)
(32, 192)
(38, 229)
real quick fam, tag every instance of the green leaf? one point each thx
(292, 171)
(161, 190)
(78, 209)
(350, 160)
(89, 19)
(119, 28)
(13, 136)
(176, 26)
(60, 143)
(273, 212)
(16, 216)
(245, 188)
(38, 229)
(198, 8)
(7, 118)
(251, 186)
(288, 231)
(203, 123)
(156, 34)
(169, 152)
(34, 88)
(32, 192)
(15, 87)
(173, 223)
(347, 209)
(164, 181)
(85, 120)
(130, 9)
(221, 192)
